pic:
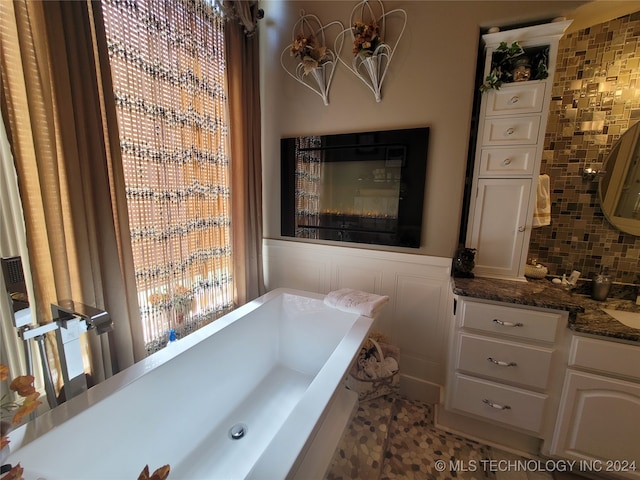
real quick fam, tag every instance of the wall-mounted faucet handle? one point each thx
(590, 173)
(94, 317)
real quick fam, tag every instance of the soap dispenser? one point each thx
(601, 285)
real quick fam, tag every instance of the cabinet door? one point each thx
(599, 419)
(499, 225)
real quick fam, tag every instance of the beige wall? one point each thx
(431, 82)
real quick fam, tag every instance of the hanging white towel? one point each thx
(542, 211)
(356, 301)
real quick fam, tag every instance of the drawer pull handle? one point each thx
(496, 405)
(506, 161)
(501, 363)
(507, 324)
(510, 131)
(514, 99)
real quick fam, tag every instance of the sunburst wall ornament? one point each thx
(308, 59)
(373, 44)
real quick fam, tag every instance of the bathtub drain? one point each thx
(237, 431)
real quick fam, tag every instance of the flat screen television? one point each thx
(365, 187)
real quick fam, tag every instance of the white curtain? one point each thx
(13, 242)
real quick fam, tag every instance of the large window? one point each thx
(168, 69)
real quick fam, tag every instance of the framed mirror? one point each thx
(619, 189)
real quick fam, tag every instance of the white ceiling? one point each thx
(599, 11)
(515, 13)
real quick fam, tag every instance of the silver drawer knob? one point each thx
(510, 131)
(514, 99)
(506, 161)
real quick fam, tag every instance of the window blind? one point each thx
(168, 69)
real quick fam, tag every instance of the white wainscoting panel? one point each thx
(366, 277)
(310, 274)
(419, 288)
(416, 325)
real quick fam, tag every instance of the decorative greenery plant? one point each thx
(503, 59)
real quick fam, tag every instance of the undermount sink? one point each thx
(630, 319)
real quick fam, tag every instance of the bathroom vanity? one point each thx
(502, 362)
(543, 370)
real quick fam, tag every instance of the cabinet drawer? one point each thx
(511, 131)
(516, 98)
(511, 321)
(605, 356)
(500, 403)
(505, 361)
(501, 162)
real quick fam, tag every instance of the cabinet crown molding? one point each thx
(527, 35)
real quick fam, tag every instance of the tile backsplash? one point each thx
(595, 99)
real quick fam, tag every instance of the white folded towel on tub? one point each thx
(356, 301)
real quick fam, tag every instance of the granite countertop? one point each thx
(585, 314)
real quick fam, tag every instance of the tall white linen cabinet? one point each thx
(509, 145)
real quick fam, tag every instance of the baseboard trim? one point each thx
(418, 389)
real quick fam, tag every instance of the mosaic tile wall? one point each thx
(596, 98)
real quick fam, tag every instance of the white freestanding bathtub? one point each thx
(271, 370)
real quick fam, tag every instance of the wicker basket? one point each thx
(368, 389)
(535, 271)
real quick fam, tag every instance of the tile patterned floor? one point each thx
(392, 438)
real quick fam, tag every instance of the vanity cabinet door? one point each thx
(599, 419)
(499, 225)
